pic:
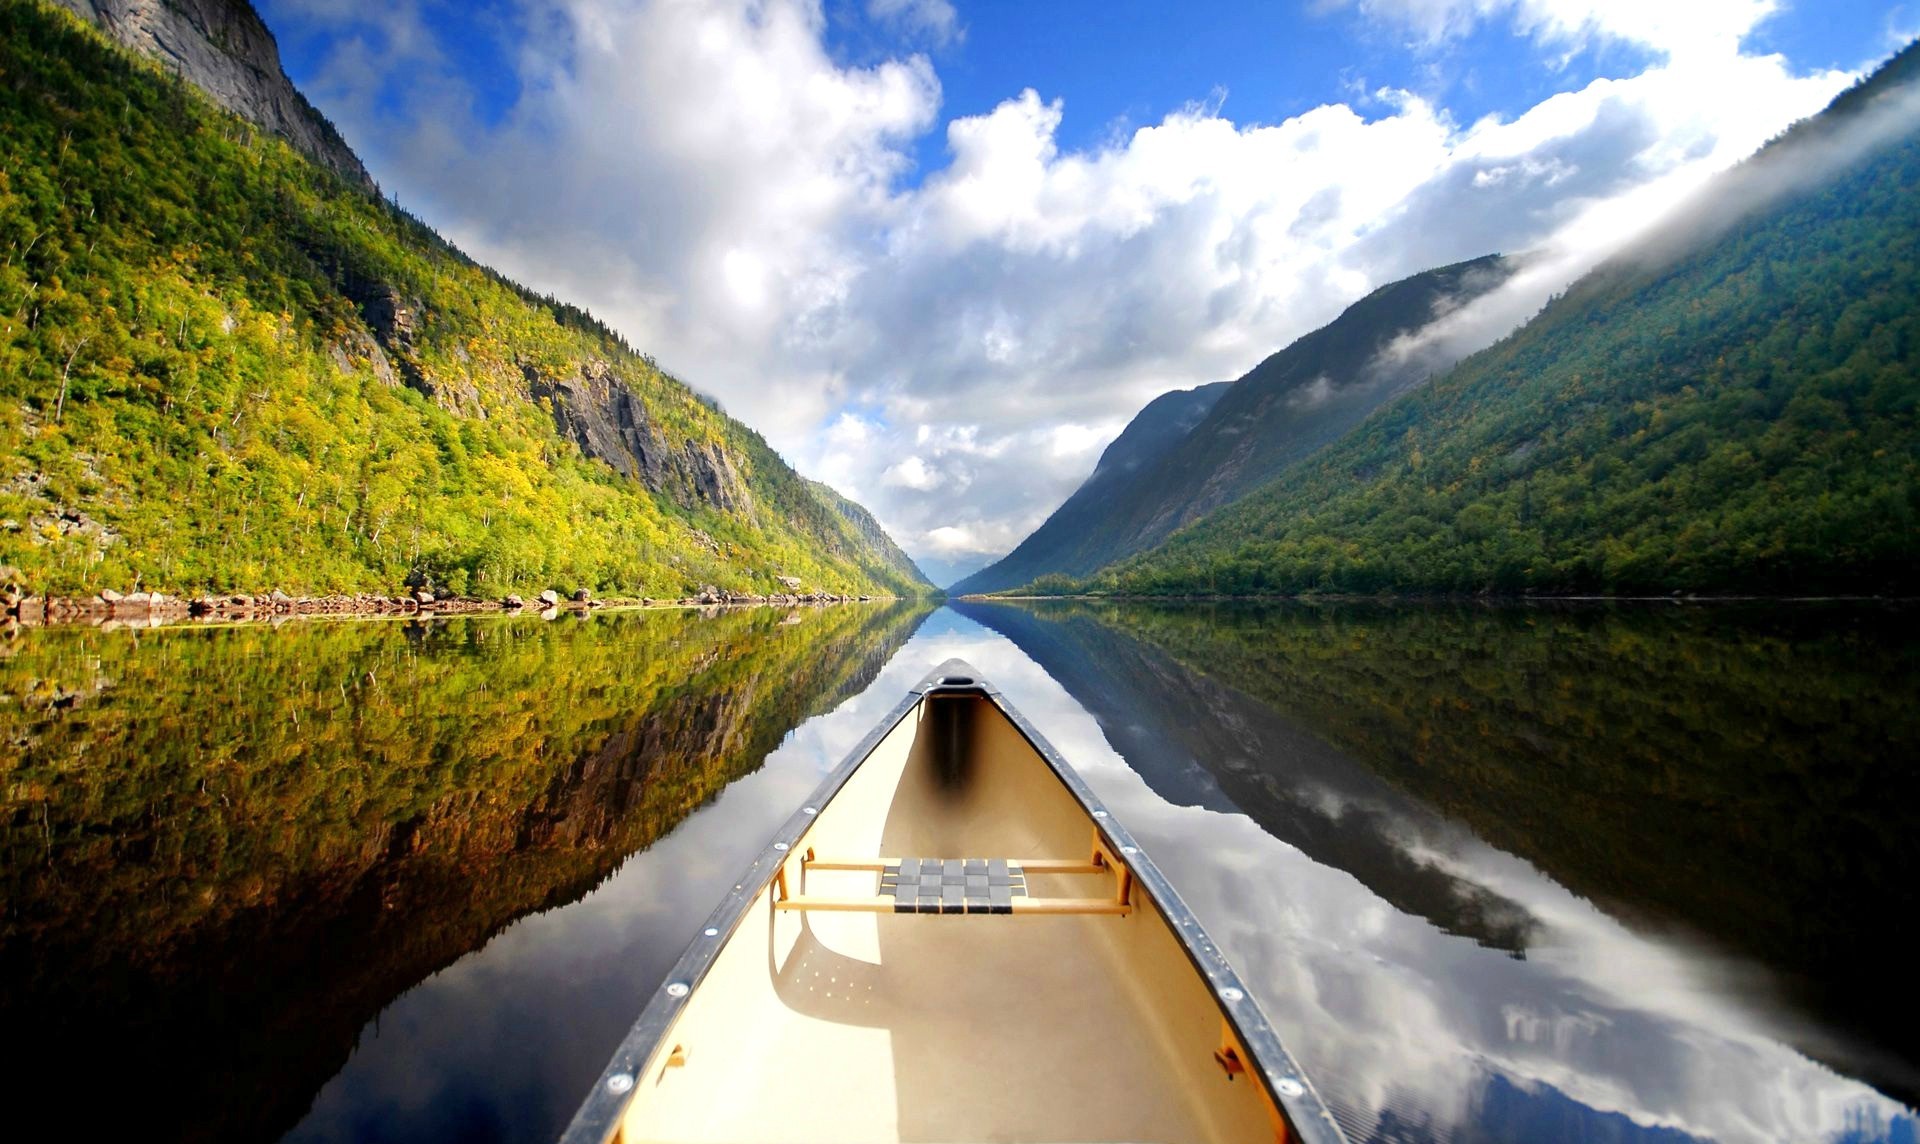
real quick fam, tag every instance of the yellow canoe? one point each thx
(952, 940)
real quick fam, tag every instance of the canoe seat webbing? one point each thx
(953, 885)
(956, 886)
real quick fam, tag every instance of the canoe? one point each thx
(952, 939)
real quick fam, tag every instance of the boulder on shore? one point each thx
(111, 596)
(549, 598)
(513, 602)
(581, 595)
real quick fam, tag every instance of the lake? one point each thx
(1497, 872)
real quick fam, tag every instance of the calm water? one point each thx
(1523, 874)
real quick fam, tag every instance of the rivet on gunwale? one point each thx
(1287, 1086)
(710, 932)
(1231, 994)
(1129, 850)
(779, 846)
(677, 989)
(1099, 814)
(619, 1083)
(808, 810)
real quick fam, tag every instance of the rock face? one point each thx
(609, 422)
(224, 49)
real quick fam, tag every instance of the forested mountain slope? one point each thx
(1283, 409)
(1132, 457)
(224, 366)
(1730, 408)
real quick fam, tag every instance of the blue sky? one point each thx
(940, 251)
(1121, 63)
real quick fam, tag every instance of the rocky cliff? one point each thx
(223, 48)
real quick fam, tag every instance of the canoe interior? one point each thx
(844, 1025)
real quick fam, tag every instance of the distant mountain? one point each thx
(1732, 407)
(867, 530)
(229, 367)
(1060, 543)
(1289, 405)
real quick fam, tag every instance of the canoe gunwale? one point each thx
(1307, 1115)
(598, 1116)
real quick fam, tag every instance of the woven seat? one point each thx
(953, 885)
(960, 886)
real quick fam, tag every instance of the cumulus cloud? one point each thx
(954, 350)
(913, 473)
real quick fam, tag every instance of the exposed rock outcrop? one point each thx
(223, 48)
(609, 422)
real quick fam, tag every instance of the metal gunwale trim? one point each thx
(1307, 1113)
(599, 1114)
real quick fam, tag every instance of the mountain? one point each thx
(1061, 541)
(1728, 408)
(868, 531)
(224, 366)
(1289, 405)
(223, 48)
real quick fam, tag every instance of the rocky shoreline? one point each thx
(153, 608)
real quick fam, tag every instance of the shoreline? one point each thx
(154, 609)
(1444, 598)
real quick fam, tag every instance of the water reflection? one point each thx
(1653, 762)
(1497, 874)
(226, 850)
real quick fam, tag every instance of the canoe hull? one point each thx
(834, 997)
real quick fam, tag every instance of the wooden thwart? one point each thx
(1099, 862)
(1030, 865)
(880, 905)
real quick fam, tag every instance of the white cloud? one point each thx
(913, 473)
(934, 19)
(1674, 27)
(1073, 442)
(953, 354)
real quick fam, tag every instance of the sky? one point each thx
(940, 251)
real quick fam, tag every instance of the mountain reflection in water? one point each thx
(1671, 837)
(227, 849)
(1514, 873)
